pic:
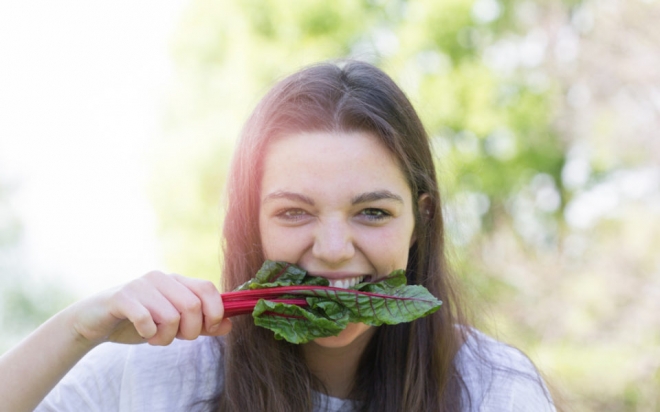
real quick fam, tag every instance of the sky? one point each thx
(82, 95)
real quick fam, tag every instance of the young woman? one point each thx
(334, 173)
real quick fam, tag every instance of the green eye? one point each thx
(375, 214)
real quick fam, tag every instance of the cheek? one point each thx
(389, 247)
(269, 239)
(281, 243)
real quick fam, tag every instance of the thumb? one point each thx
(219, 329)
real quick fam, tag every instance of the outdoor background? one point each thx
(117, 122)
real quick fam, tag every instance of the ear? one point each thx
(424, 206)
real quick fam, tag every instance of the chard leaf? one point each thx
(388, 301)
(296, 324)
(389, 305)
(273, 274)
(392, 281)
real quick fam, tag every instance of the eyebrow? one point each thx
(377, 195)
(296, 197)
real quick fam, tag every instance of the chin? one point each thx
(353, 332)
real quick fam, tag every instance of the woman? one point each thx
(334, 173)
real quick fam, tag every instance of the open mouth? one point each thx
(346, 283)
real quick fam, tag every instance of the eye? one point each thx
(374, 215)
(292, 215)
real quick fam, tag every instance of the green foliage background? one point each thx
(496, 84)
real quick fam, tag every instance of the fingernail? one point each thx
(214, 328)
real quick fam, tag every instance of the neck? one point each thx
(336, 367)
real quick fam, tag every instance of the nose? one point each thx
(333, 242)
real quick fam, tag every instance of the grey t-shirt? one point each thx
(139, 378)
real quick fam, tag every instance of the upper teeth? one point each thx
(346, 282)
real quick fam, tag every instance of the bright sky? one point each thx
(82, 88)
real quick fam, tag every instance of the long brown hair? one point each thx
(406, 367)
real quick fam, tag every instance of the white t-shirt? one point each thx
(140, 378)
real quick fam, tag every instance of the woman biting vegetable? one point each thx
(333, 174)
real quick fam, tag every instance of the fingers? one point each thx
(212, 307)
(167, 318)
(152, 316)
(140, 317)
(187, 316)
(178, 307)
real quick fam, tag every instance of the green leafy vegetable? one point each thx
(298, 308)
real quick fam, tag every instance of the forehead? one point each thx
(331, 161)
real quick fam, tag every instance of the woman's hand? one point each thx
(155, 308)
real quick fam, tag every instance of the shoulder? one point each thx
(141, 377)
(499, 377)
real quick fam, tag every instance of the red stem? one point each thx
(242, 302)
(274, 292)
(235, 307)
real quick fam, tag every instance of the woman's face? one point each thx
(337, 205)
